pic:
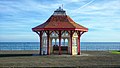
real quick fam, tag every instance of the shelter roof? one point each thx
(60, 21)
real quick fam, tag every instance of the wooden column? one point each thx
(68, 45)
(48, 47)
(64, 41)
(71, 34)
(59, 42)
(79, 43)
(79, 35)
(40, 35)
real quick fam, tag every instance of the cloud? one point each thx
(19, 16)
(71, 1)
(101, 8)
(87, 4)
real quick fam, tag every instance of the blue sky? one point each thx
(17, 17)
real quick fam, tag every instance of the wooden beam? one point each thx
(59, 42)
(48, 47)
(78, 48)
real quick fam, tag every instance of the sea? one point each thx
(89, 46)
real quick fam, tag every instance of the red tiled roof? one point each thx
(60, 22)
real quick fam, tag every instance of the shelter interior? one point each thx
(65, 43)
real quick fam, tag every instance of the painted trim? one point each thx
(42, 29)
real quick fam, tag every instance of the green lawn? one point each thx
(115, 52)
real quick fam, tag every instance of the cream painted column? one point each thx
(44, 47)
(51, 45)
(68, 45)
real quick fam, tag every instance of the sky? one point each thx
(101, 17)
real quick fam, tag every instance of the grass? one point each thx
(115, 52)
(95, 59)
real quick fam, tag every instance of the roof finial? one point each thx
(59, 11)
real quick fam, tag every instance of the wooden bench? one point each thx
(63, 48)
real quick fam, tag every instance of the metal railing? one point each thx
(35, 46)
